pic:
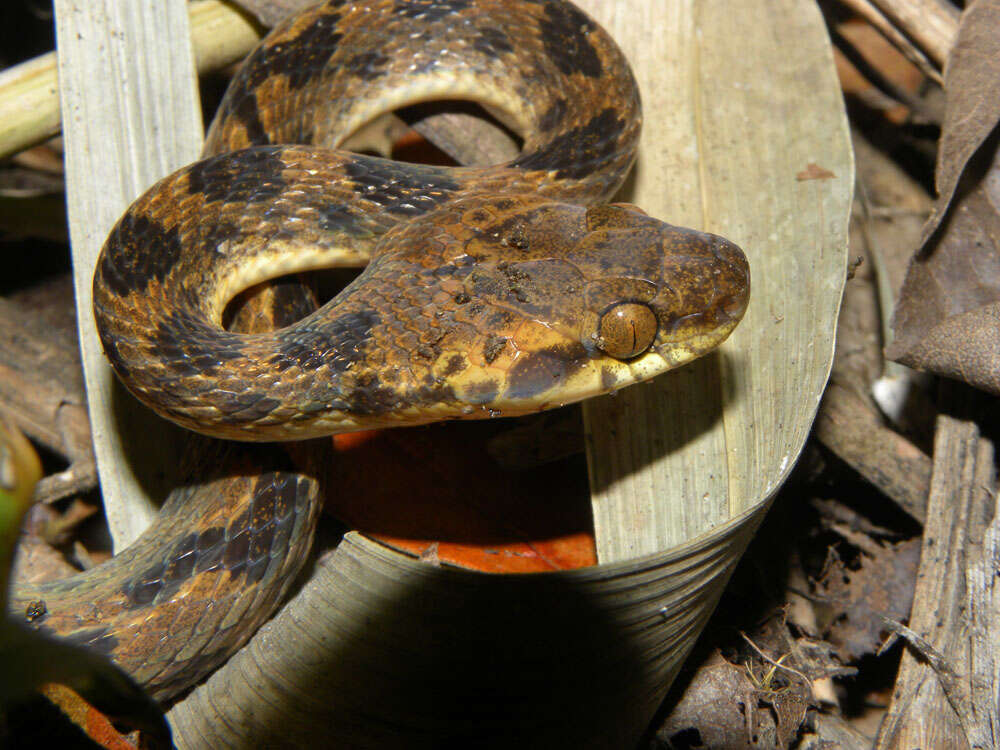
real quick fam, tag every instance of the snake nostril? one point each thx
(734, 260)
(732, 279)
(729, 253)
(734, 306)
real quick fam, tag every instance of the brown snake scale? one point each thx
(486, 291)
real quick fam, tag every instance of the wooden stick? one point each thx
(931, 24)
(29, 104)
(897, 94)
(81, 476)
(884, 26)
(29, 92)
(937, 701)
(883, 457)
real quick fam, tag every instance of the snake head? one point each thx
(569, 302)
(666, 294)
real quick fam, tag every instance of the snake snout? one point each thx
(704, 290)
(732, 282)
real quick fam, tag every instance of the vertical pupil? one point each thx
(627, 330)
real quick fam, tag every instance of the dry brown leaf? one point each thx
(947, 314)
(718, 709)
(972, 84)
(790, 707)
(964, 347)
(947, 317)
(729, 706)
(37, 561)
(882, 585)
(447, 501)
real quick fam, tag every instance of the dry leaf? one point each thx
(946, 318)
(789, 706)
(719, 708)
(882, 585)
(972, 85)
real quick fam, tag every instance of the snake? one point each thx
(486, 291)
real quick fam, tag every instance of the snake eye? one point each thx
(626, 330)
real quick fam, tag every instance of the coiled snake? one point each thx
(499, 290)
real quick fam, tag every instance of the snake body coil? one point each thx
(499, 290)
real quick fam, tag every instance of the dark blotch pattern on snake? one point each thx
(499, 290)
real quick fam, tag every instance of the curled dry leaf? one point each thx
(717, 709)
(946, 320)
(948, 317)
(972, 84)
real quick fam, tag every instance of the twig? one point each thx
(874, 76)
(29, 95)
(81, 476)
(778, 664)
(940, 712)
(931, 24)
(885, 458)
(884, 26)
(938, 661)
(983, 617)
